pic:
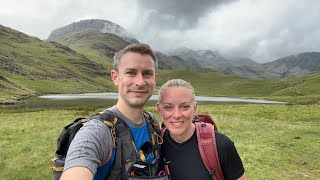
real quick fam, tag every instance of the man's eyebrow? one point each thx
(130, 69)
(148, 70)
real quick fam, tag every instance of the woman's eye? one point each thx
(184, 107)
(167, 108)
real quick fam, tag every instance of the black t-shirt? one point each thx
(186, 162)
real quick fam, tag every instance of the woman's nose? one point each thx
(176, 113)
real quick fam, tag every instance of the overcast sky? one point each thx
(262, 30)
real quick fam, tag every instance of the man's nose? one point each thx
(139, 80)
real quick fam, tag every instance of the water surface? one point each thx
(114, 96)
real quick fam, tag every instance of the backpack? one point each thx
(119, 132)
(205, 127)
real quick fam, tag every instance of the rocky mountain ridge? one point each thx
(296, 65)
(103, 26)
(186, 58)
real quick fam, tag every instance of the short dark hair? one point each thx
(140, 48)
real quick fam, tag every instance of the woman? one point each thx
(177, 107)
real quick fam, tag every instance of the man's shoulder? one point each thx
(94, 127)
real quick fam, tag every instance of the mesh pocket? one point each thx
(143, 170)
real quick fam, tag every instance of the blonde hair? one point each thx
(175, 83)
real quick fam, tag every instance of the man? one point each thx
(177, 106)
(135, 75)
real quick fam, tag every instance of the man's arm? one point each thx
(90, 147)
(77, 173)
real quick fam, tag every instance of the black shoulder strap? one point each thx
(154, 131)
(152, 120)
(120, 133)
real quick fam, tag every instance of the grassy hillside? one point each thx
(99, 47)
(305, 89)
(30, 66)
(215, 84)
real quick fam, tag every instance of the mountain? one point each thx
(244, 61)
(212, 60)
(30, 66)
(174, 62)
(204, 58)
(98, 40)
(87, 38)
(295, 65)
(80, 61)
(91, 25)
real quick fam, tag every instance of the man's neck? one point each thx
(135, 115)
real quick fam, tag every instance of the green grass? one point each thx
(274, 141)
(30, 66)
(96, 46)
(27, 141)
(215, 84)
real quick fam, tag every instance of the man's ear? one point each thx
(156, 77)
(115, 77)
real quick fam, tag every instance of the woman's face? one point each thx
(177, 107)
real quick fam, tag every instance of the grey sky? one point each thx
(259, 29)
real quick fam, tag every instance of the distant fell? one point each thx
(30, 66)
(99, 39)
(295, 65)
(214, 61)
(99, 25)
(87, 38)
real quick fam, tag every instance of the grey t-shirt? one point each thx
(92, 144)
(90, 147)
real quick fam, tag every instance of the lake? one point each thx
(114, 96)
(102, 100)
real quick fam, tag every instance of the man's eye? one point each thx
(130, 73)
(147, 74)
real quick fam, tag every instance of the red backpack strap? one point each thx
(208, 149)
(206, 118)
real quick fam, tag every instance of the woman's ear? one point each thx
(158, 107)
(195, 108)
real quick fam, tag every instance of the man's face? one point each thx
(136, 79)
(177, 108)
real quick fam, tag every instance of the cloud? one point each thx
(40, 17)
(262, 30)
(181, 14)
